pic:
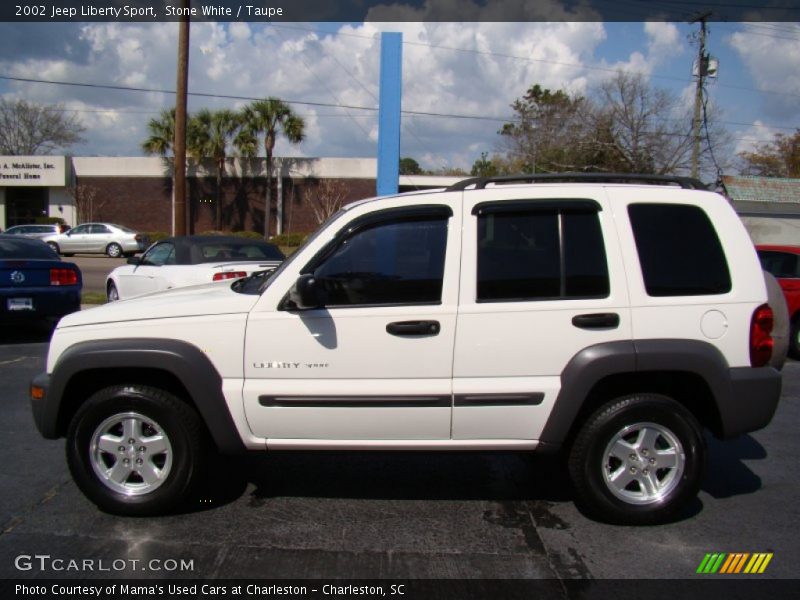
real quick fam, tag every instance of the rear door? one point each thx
(542, 279)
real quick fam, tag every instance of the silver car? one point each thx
(98, 238)
(37, 231)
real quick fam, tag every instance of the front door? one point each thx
(376, 362)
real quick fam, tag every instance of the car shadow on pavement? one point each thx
(726, 473)
(385, 476)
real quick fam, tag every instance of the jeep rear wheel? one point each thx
(136, 450)
(637, 460)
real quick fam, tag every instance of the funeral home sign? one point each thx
(29, 171)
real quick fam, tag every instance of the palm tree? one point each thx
(209, 135)
(162, 134)
(271, 117)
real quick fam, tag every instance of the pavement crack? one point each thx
(14, 522)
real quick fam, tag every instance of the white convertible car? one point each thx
(191, 260)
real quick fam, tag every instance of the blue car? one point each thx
(35, 284)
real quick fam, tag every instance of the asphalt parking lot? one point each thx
(387, 515)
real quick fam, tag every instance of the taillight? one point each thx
(229, 275)
(761, 342)
(63, 277)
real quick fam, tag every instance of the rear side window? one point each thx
(679, 251)
(535, 254)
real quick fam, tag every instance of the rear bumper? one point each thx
(751, 400)
(49, 303)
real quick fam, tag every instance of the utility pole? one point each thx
(702, 71)
(179, 144)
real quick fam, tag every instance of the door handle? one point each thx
(596, 321)
(414, 328)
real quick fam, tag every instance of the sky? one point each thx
(468, 72)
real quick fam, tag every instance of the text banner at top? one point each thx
(261, 11)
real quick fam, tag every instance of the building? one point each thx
(768, 206)
(137, 191)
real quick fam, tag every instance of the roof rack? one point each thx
(480, 183)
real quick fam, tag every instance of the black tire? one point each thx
(114, 250)
(652, 496)
(794, 339)
(112, 294)
(155, 411)
(54, 247)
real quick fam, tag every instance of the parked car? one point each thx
(37, 231)
(98, 238)
(191, 260)
(784, 263)
(34, 282)
(613, 317)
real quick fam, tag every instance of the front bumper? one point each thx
(40, 385)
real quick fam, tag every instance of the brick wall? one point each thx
(145, 203)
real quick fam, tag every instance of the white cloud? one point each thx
(454, 68)
(756, 134)
(772, 59)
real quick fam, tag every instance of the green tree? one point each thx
(270, 117)
(161, 134)
(409, 166)
(484, 167)
(549, 132)
(778, 158)
(210, 134)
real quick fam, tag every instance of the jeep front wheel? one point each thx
(136, 450)
(637, 460)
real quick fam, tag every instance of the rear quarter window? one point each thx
(679, 251)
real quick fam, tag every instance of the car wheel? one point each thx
(794, 339)
(112, 294)
(114, 250)
(136, 450)
(637, 460)
(54, 247)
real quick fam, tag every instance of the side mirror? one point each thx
(305, 293)
(134, 260)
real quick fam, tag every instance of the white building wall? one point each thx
(773, 230)
(62, 205)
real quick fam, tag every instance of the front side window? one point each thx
(398, 261)
(679, 251)
(162, 254)
(535, 254)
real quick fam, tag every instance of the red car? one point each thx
(784, 263)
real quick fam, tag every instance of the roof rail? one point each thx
(480, 183)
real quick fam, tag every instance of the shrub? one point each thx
(289, 239)
(156, 236)
(49, 221)
(251, 235)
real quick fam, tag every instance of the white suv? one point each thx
(611, 317)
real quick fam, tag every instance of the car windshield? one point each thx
(22, 248)
(123, 228)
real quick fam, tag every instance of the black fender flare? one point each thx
(730, 387)
(186, 362)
